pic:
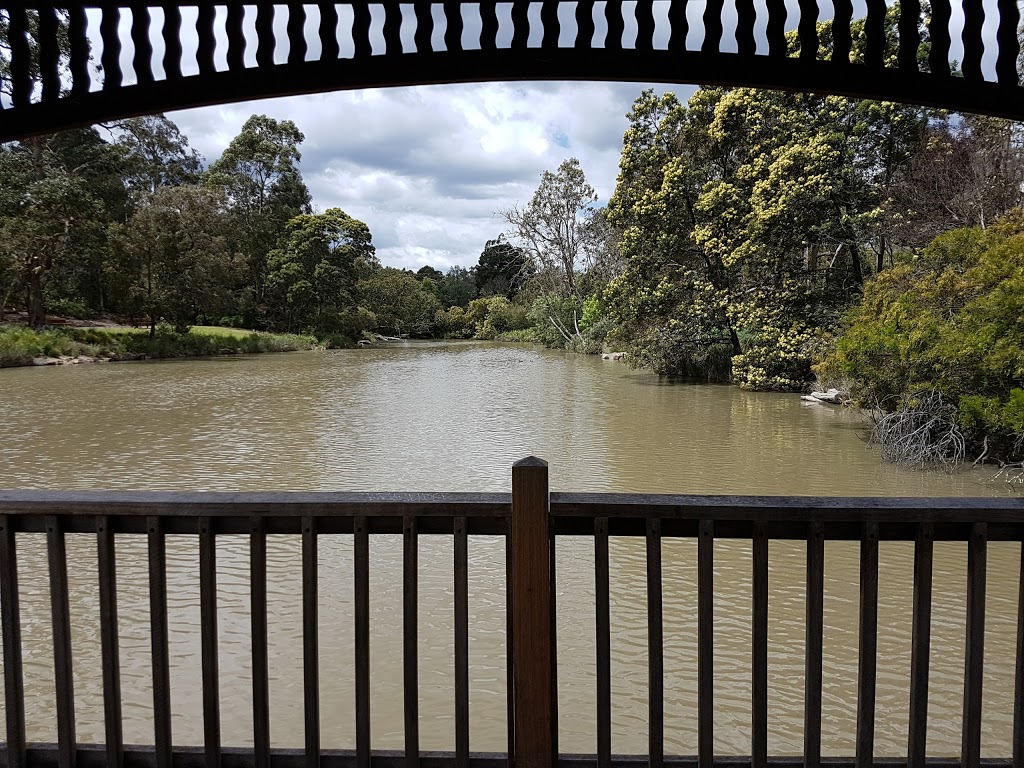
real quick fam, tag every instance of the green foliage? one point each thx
(951, 321)
(500, 316)
(399, 302)
(311, 277)
(18, 345)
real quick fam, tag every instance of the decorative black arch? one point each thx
(360, 44)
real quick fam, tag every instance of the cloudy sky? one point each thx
(429, 167)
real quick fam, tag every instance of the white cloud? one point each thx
(428, 168)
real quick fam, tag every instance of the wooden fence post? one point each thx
(533, 653)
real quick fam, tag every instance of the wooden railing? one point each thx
(530, 520)
(69, 64)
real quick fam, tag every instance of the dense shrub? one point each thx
(952, 322)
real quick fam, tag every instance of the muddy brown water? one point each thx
(453, 417)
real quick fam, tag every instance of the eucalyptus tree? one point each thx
(260, 175)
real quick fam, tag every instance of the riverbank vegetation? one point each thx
(20, 346)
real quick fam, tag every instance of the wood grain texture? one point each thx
(258, 637)
(159, 643)
(759, 648)
(410, 635)
(210, 661)
(63, 667)
(106, 559)
(974, 652)
(814, 623)
(10, 626)
(706, 645)
(867, 646)
(311, 641)
(920, 644)
(461, 626)
(602, 595)
(655, 649)
(1018, 689)
(531, 623)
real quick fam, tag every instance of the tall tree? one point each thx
(311, 278)
(554, 227)
(157, 155)
(176, 253)
(501, 269)
(259, 172)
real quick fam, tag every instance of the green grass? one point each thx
(19, 345)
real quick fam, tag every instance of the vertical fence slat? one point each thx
(585, 24)
(142, 62)
(311, 640)
(410, 656)
(1009, 44)
(14, 679)
(265, 40)
(842, 41)
(235, 34)
(296, 30)
(775, 28)
(208, 641)
(106, 558)
(602, 593)
(110, 18)
(361, 29)
(616, 24)
(172, 41)
(79, 49)
(655, 650)
(807, 29)
(424, 26)
(910, 35)
(258, 616)
(645, 26)
(553, 614)
(60, 610)
(713, 28)
(974, 45)
(746, 18)
(531, 621)
(974, 651)
(510, 647)
(520, 23)
(488, 26)
(868, 644)
(329, 48)
(1018, 687)
(49, 53)
(938, 33)
(874, 33)
(21, 64)
(705, 645)
(159, 641)
(361, 545)
(759, 649)
(678, 26)
(392, 31)
(461, 589)
(920, 653)
(453, 31)
(550, 25)
(207, 40)
(814, 624)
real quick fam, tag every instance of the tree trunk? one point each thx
(734, 337)
(858, 270)
(36, 307)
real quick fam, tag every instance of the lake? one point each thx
(453, 417)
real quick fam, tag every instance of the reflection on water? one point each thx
(454, 417)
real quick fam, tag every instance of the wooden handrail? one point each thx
(530, 519)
